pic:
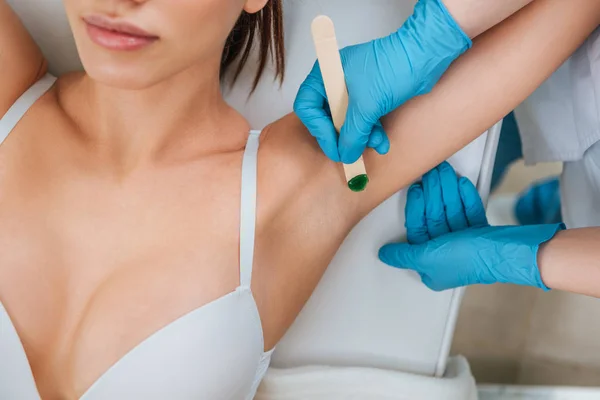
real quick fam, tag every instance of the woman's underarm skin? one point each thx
(570, 261)
(505, 65)
(477, 16)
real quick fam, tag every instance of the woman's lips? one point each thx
(117, 35)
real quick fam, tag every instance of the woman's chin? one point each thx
(121, 77)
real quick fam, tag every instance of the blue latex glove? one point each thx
(452, 245)
(440, 204)
(381, 75)
(540, 203)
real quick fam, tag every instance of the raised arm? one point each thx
(385, 73)
(21, 61)
(477, 16)
(505, 65)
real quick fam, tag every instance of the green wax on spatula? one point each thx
(358, 183)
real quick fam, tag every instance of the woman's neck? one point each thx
(133, 127)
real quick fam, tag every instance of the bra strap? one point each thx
(23, 104)
(248, 209)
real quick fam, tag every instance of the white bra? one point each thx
(215, 352)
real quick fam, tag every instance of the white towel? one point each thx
(350, 383)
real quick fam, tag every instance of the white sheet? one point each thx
(330, 383)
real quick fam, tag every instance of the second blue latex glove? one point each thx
(452, 245)
(540, 203)
(381, 75)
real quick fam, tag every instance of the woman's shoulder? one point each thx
(291, 159)
(288, 147)
(287, 132)
(15, 85)
(294, 173)
(292, 166)
(38, 114)
(43, 93)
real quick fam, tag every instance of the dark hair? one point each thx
(266, 27)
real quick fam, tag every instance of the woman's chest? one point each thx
(86, 277)
(213, 351)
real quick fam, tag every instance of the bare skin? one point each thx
(477, 16)
(119, 210)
